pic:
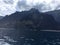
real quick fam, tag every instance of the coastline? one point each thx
(51, 30)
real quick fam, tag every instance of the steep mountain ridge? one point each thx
(32, 19)
(55, 14)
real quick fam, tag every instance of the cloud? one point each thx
(22, 5)
(48, 6)
(42, 5)
(8, 7)
(9, 1)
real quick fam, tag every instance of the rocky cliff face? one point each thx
(32, 19)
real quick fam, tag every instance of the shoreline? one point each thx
(50, 30)
(7, 28)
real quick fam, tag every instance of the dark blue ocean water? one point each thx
(28, 37)
(49, 38)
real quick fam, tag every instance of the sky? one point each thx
(8, 7)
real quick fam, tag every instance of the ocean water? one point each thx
(10, 36)
(6, 36)
(49, 38)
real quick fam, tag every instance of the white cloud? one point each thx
(10, 6)
(6, 8)
(49, 5)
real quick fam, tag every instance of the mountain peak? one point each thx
(33, 9)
